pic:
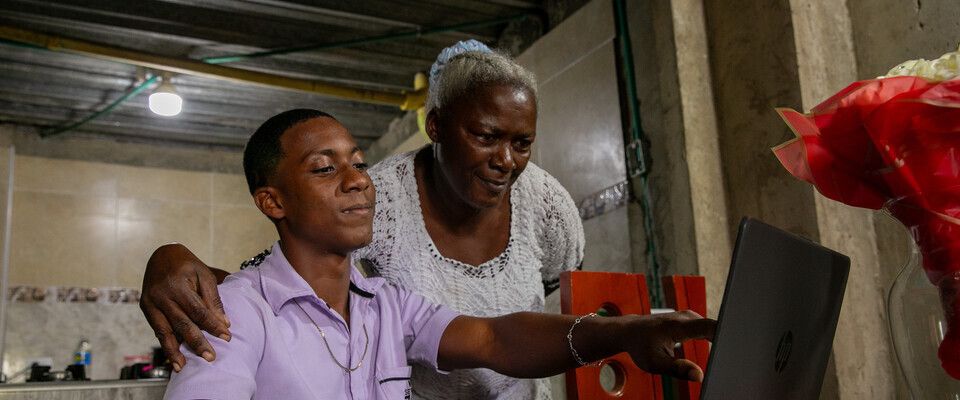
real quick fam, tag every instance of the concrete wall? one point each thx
(796, 53)
(754, 65)
(888, 32)
(576, 70)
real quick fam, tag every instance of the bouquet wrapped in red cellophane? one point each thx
(894, 143)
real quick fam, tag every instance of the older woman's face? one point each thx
(484, 141)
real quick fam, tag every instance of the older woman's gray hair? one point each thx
(466, 66)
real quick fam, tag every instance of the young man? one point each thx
(307, 325)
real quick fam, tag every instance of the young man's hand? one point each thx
(534, 345)
(651, 341)
(179, 298)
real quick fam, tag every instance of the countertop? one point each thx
(144, 389)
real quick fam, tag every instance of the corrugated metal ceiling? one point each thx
(45, 89)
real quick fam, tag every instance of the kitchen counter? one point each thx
(89, 390)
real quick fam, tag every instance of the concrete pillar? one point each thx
(796, 53)
(702, 149)
(862, 354)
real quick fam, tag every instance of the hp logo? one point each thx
(783, 351)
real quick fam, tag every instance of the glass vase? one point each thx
(917, 326)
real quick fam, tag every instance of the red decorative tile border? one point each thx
(67, 294)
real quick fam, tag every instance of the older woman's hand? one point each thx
(179, 298)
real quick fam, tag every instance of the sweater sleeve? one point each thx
(563, 240)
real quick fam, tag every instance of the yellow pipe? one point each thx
(420, 83)
(418, 97)
(406, 100)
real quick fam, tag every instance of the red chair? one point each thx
(611, 293)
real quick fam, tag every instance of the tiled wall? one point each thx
(87, 224)
(94, 225)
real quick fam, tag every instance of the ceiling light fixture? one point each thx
(164, 100)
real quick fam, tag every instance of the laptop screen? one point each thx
(778, 317)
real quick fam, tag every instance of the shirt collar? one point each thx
(280, 283)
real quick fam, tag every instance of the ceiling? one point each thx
(45, 89)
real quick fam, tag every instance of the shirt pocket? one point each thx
(394, 383)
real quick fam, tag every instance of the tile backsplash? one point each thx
(52, 329)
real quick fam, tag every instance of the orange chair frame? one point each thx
(583, 292)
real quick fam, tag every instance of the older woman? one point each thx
(467, 222)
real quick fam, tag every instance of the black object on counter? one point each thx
(126, 373)
(158, 367)
(42, 373)
(144, 371)
(79, 372)
(159, 358)
(39, 373)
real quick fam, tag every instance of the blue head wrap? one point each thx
(449, 52)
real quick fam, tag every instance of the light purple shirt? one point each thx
(277, 353)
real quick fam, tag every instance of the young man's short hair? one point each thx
(263, 150)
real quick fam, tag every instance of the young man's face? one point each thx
(323, 192)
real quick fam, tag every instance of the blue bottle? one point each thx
(82, 355)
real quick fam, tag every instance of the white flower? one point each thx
(944, 68)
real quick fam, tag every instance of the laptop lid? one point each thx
(778, 317)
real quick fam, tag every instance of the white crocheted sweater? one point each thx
(546, 238)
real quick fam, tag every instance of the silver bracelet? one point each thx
(576, 356)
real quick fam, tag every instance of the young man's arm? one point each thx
(532, 345)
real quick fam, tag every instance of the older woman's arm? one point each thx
(180, 300)
(562, 238)
(532, 345)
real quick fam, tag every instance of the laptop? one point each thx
(778, 318)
